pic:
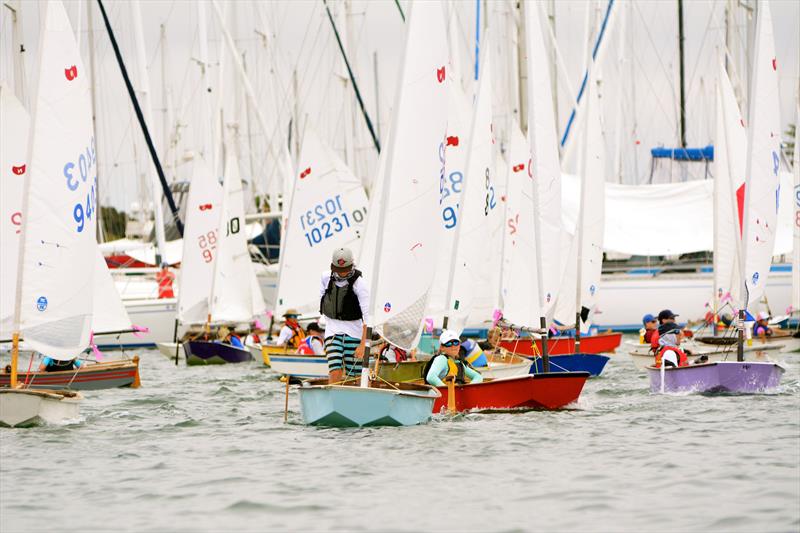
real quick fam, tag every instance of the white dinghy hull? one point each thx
(25, 408)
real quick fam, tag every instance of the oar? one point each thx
(451, 395)
(286, 401)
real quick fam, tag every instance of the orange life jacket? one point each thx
(298, 337)
(165, 278)
(683, 359)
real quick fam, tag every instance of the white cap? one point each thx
(447, 336)
(762, 315)
(342, 258)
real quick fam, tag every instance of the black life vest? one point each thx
(341, 303)
(59, 366)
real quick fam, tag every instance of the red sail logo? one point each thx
(71, 73)
(774, 63)
(452, 141)
(440, 74)
(19, 171)
(305, 173)
(205, 207)
(519, 168)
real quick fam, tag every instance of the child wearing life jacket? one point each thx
(762, 325)
(292, 333)
(448, 365)
(669, 341)
(314, 343)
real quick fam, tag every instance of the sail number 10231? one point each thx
(328, 218)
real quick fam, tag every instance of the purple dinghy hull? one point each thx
(214, 353)
(720, 376)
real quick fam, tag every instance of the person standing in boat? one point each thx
(165, 278)
(344, 302)
(52, 365)
(292, 333)
(314, 343)
(447, 364)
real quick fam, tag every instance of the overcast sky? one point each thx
(640, 67)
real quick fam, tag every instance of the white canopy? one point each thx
(666, 219)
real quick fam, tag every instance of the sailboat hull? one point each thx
(25, 407)
(299, 366)
(723, 376)
(576, 362)
(600, 343)
(532, 391)
(98, 376)
(214, 353)
(349, 405)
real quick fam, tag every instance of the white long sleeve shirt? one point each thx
(353, 328)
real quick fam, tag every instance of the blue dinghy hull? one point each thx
(576, 362)
(348, 405)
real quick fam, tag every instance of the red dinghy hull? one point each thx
(602, 342)
(532, 391)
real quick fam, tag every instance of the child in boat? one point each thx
(52, 365)
(473, 353)
(292, 333)
(226, 336)
(650, 327)
(344, 302)
(670, 341)
(313, 344)
(762, 325)
(448, 365)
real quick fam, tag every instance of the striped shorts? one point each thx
(340, 350)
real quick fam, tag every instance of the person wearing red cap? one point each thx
(344, 302)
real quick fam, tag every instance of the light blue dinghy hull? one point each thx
(353, 406)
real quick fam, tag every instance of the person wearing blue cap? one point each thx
(650, 327)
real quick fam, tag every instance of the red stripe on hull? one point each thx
(543, 391)
(47, 378)
(604, 342)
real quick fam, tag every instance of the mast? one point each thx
(144, 89)
(579, 224)
(93, 86)
(165, 108)
(18, 47)
(681, 75)
(205, 101)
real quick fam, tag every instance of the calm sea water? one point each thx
(206, 449)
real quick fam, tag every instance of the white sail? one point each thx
(544, 166)
(519, 254)
(200, 242)
(410, 219)
(762, 187)
(796, 217)
(520, 295)
(109, 312)
(232, 286)
(729, 166)
(459, 117)
(470, 275)
(328, 211)
(584, 263)
(59, 220)
(14, 127)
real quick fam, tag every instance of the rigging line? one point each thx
(353, 80)
(702, 47)
(656, 51)
(140, 118)
(400, 9)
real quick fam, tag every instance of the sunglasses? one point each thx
(450, 344)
